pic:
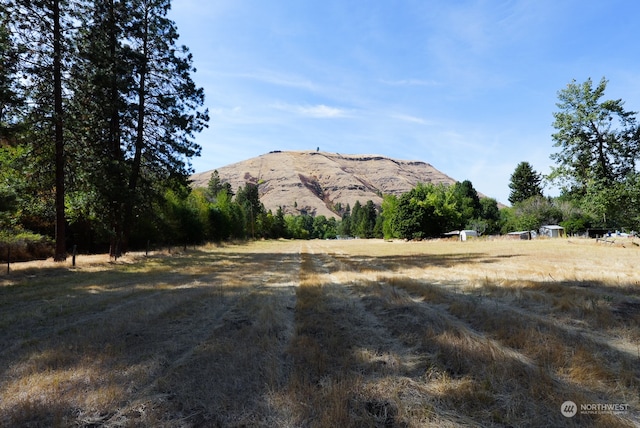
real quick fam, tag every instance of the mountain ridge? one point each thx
(315, 182)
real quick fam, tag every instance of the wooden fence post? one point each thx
(8, 258)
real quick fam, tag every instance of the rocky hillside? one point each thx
(315, 182)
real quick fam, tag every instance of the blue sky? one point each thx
(467, 86)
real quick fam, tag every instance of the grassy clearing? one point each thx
(325, 333)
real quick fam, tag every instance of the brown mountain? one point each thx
(315, 182)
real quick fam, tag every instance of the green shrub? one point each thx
(24, 246)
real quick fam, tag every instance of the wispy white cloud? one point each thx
(412, 119)
(319, 111)
(322, 110)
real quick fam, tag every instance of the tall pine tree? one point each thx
(45, 29)
(525, 183)
(103, 78)
(140, 109)
(167, 105)
(11, 100)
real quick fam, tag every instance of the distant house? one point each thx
(552, 231)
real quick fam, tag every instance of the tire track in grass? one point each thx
(232, 376)
(466, 373)
(120, 351)
(349, 369)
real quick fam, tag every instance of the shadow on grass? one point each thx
(596, 305)
(396, 263)
(497, 367)
(206, 339)
(86, 347)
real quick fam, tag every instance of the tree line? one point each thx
(215, 213)
(98, 117)
(595, 168)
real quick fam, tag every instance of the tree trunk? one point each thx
(115, 149)
(60, 252)
(137, 157)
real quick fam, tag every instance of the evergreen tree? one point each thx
(166, 102)
(524, 184)
(248, 198)
(356, 220)
(44, 29)
(366, 220)
(11, 96)
(103, 80)
(12, 179)
(214, 186)
(345, 224)
(279, 224)
(139, 108)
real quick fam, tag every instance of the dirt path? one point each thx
(351, 366)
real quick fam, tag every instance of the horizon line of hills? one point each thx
(316, 182)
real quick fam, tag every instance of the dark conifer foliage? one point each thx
(44, 30)
(110, 112)
(11, 99)
(525, 183)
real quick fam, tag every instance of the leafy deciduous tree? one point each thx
(468, 202)
(598, 140)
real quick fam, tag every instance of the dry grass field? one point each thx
(326, 334)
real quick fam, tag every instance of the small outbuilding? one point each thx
(451, 234)
(552, 231)
(522, 234)
(466, 234)
(462, 235)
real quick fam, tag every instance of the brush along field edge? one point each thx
(326, 333)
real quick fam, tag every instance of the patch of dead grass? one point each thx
(350, 333)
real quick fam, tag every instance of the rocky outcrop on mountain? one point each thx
(319, 183)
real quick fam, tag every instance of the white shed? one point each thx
(552, 231)
(466, 234)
